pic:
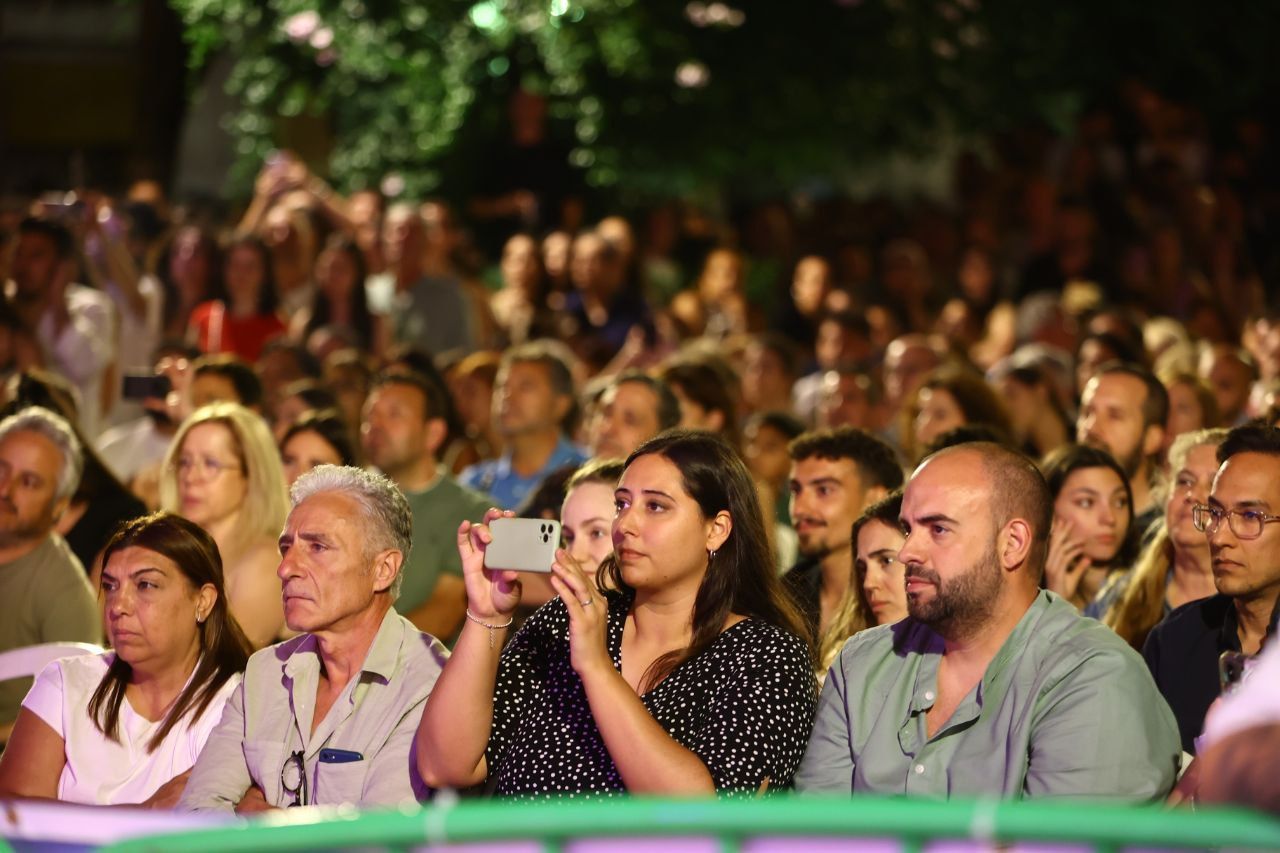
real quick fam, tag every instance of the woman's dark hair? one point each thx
(312, 392)
(741, 578)
(706, 385)
(224, 649)
(361, 316)
(329, 425)
(208, 246)
(268, 292)
(1066, 460)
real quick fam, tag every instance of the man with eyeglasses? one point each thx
(329, 717)
(1244, 548)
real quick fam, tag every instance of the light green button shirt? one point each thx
(1065, 709)
(270, 716)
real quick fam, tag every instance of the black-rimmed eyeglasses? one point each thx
(293, 778)
(1244, 523)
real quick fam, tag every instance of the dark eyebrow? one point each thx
(1262, 505)
(932, 519)
(881, 551)
(144, 571)
(308, 536)
(819, 481)
(656, 492)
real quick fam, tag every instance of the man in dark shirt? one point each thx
(835, 475)
(1183, 650)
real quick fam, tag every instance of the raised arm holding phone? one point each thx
(689, 676)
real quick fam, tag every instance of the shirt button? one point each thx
(919, 769)
(928, 695)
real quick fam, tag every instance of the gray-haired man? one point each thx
(328, 717)
(44, 593)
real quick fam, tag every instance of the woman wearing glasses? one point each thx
(679, 670)
(223, 472)
(125, 727)
(1174, 568)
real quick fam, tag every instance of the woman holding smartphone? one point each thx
(688, 675)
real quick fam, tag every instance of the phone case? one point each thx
(522, 544)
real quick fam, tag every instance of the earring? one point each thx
(711, 555)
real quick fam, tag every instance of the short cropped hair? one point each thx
(434, 403)
(1018, 490)
(875, 460)
(1250, 438)
(55, 428)
(388, 519)
(1155, 408)
(668, 403)
(52, 230)
(554, 356)
(237, 371)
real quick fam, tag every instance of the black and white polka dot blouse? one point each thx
(744, 706)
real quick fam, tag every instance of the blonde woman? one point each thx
(223, 473)
(1174, 568)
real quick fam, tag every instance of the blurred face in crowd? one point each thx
(29, 467)
(1094, 505)
(305, 450)
(1191, 484)
(326, 571)
(694, 415)
(1023, 403)
(211, 478)
(336, 274)
(587, 265)
(939, 413)
(404, 236)
(721, 276)
(810, 285)
(1185, 414)
(627, 415)
(524, 400)
(827, 496)
(844, 401)
(287, 413)
(836, 346)
(765, 381)
(883, 578)
(1230, 379)
(765, 452)
(1111, 418)
(1093, 354)
(396, 432)
(189, 263)
(953, 576)
(1247, 568)
(34, 264)
(245, 272)
(520, 264)
(906, 361)
(555, 253)
(153, 612)
(586, 522)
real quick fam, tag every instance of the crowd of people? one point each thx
(854, 497)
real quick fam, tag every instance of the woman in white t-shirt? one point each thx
(126, 726)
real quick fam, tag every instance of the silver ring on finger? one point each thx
(588, 602)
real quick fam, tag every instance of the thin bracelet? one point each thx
(491, 628)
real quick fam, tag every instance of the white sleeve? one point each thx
(44, 699)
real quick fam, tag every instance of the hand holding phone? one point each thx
(522, 544)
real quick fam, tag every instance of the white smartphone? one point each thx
(522, 544)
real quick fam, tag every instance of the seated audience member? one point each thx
(351, 686)
(835, 475)
(247, 318)
(224, 378)
(223, 472)
(317, 438)
(101, 502)
(948, 398)
(1192, 406)
(848, 397)
(44, 592)
(842, 343)
(705, 391)
(1174, 567)
(721, 702)
(633, 408)
(1092, 537)
(1123, 410)
(281, 365)
(471, 382)
(876, 596)
(298, 398)
(349, 375)
(988, 684)
(1183, 650)
(1038, 422)
(125, 726)
(520, 306)
(403, 431)
(770, 368)
(1230, 373)
(340, 301)
(533, 404)
(75, 324)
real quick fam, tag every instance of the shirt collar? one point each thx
(380, 659)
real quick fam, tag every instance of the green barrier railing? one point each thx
(552, 824)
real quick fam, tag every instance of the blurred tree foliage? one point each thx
(670, 95)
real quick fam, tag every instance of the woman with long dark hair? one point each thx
(248, 316)
(679, 669)
(339, 301)
(127, 725)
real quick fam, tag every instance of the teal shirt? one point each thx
(437, 512)
(1065, 709)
